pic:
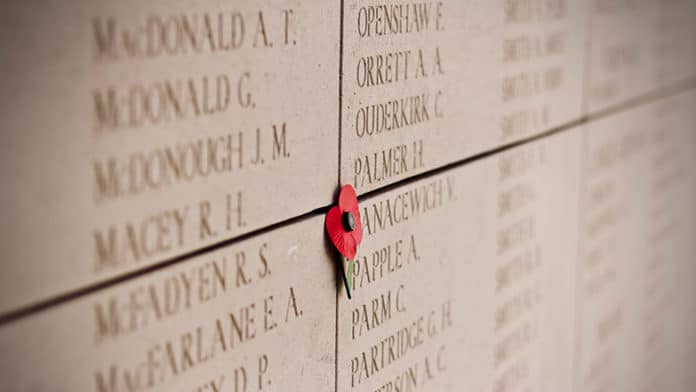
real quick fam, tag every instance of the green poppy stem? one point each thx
(345, 276)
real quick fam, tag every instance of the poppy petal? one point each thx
(357, 236)
(350, 248)
(348, 199)
(334, 228)
(358, 232)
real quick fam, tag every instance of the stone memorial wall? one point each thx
(524, 171)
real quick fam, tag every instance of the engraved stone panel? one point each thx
(465, 279)
(636, 245)
(525, 171)
(137, 131)
(533, 254)
(675, 51)
(427, 84)
(637, 46)
(620, 51)
(669, 296)
(256, 315)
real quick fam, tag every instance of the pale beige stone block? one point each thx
(138, 131)
(256, 315)
(429, 84)
(465, 280)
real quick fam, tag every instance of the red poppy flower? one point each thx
(343, 223)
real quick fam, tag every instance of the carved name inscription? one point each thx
(430, 83)
(460, 289)
(634, 248)
(237, 319)
(161, 128)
